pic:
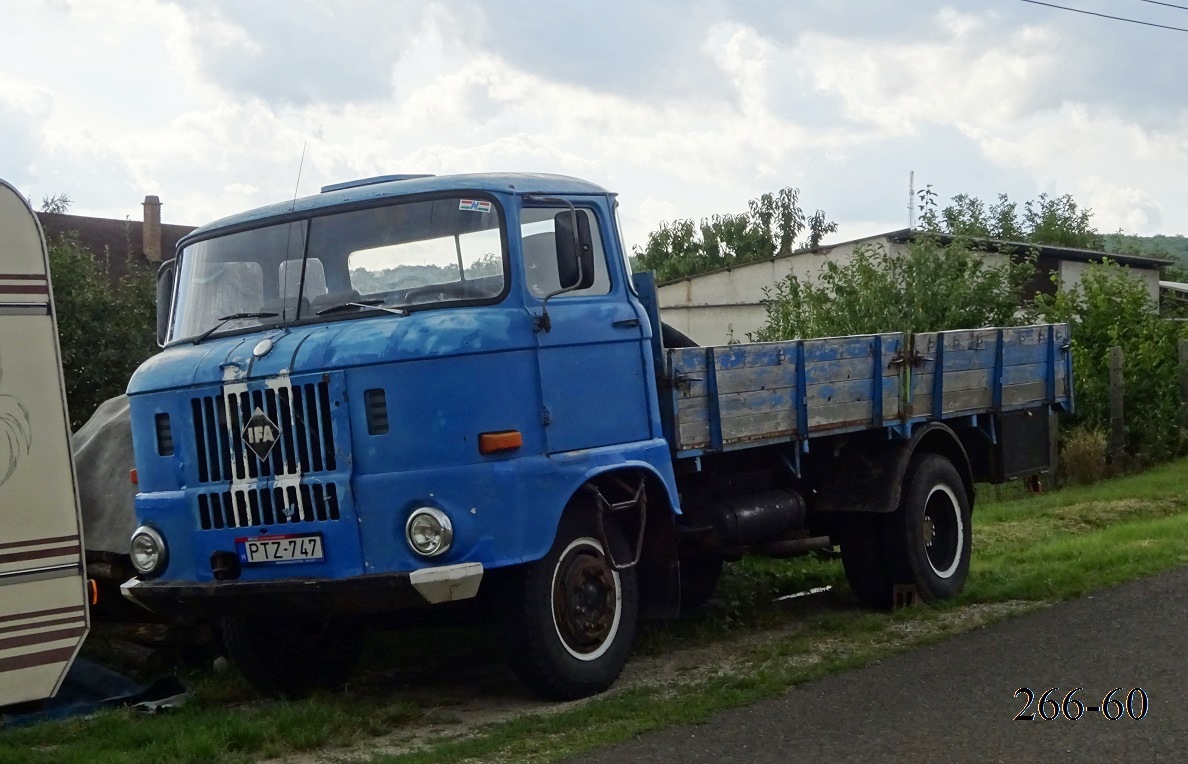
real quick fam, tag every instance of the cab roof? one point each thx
(395, 186)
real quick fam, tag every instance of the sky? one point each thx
(685, 108)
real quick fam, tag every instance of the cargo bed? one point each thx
(731, 397)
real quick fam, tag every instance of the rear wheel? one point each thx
(570, 618)
(925, 542)
(929, 538)
(291, 656)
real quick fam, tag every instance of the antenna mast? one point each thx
(300, 167)
(304, 248)
(912, 199)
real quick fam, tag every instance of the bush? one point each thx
(930, 288)
(1109, 308)
(105, 331)
(1083, 456)
(933, 288)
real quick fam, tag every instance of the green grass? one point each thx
(1066, 543)
(1028, 551)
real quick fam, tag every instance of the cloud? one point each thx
(1120, 207)
(631, 49)
(304, 53)
(687, 109)
(22, 110)
(960, 71)
(1123, 185)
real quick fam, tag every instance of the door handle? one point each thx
(626, 323)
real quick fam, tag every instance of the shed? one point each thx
(726, 305)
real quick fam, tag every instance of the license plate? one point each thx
(283, 548)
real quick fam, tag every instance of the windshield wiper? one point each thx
(372, 304)
(232, 317)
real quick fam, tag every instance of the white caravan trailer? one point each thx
(43, 589)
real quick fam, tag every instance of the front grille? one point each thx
(280, 505)
(304, 444)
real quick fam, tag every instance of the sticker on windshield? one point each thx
(474, 205)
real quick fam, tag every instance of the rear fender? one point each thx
(869, 477)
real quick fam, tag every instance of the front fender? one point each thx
(665, 482)
(573, 469)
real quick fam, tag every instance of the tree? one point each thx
(105, 331)
(771, 226)
(818, 227)
(1054, 220)
(1169, 247)
(56, 204)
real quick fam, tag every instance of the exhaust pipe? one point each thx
(792, 547)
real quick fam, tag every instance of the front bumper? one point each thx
(377, 592)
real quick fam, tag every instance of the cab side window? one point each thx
(538, 239)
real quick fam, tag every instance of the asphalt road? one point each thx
(954, 701)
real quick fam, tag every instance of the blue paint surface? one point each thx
(828, 386)
(582, 395)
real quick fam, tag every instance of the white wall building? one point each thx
(723, 305)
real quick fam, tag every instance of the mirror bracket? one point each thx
(542, 322)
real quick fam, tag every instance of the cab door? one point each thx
(592, 379)
(43, 603)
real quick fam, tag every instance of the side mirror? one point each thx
(165, 277)
(575, 250)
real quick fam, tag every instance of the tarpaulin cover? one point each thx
(89, 687)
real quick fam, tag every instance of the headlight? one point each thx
(148, 551)
(429, 531)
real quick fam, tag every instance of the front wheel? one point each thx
(929, 539)
(569, 619)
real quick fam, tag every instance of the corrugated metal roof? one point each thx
(904, 235)
(1061, 253)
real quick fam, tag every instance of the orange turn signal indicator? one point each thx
(134, 477)
(504, 440)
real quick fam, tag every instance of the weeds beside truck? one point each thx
(450, 394)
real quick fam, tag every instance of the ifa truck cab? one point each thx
(426, 392)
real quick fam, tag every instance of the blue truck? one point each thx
(451, 395)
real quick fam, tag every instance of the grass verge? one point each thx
(746, 647)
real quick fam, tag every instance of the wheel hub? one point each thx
(584, 601)
(942, 531)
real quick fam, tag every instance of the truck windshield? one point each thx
(411, 255)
